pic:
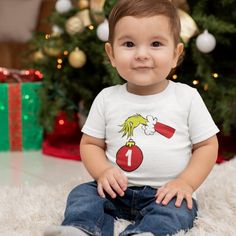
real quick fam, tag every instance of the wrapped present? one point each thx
(19, 106)
(64, 141)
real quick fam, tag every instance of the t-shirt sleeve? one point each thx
(95, 122)
(201, 124)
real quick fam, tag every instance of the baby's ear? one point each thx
(178, 53)
(110, 54)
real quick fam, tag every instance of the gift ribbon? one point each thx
(14, 114)
(10, 113)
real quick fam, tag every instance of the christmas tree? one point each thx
(75, 67)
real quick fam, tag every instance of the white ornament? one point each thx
(103, 31)
(205, 42)
(57, 30)
(63, 6)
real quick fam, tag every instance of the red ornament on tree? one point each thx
(129, 157)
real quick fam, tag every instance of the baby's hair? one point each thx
(145, 8)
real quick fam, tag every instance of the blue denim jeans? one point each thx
(88, 211)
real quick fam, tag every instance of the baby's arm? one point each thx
(109, 178)
(202, 161)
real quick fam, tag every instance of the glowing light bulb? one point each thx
(175, 77)
(47, 36)
(26, 72)
(91, 27)
(6, 72)
(39, 74)
(61, 122)
(196, 82)
(59, 61)
(215, 75)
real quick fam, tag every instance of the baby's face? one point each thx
(144, 52)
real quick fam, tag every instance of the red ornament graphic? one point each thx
(129, 157)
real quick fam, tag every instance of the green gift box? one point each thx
(19, 107)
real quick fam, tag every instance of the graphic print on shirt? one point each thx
(129, 157)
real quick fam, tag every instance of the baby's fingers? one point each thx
(105, 186)
(116, 187)
(160, 195)
(100, 190)
(189, 200)
(179, 200)
(122, 181)
(180, 197)
(168, 197)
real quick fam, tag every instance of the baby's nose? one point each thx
(142, 54)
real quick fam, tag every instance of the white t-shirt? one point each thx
(150, 137)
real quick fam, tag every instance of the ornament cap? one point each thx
(130, 143)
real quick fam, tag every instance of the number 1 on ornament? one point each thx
(129, 156)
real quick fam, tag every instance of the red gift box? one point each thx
(64, 141)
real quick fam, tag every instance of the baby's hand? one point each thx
(176, 188)
(113, 182)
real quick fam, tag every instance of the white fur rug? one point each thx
(27, 211)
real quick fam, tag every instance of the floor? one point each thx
(34, 168)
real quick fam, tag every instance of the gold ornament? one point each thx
(53, 46)
(97, 10)
(84, 16)
(38, 56)
(188, 26)
(77, 58)
(74, 25)
(83, 4)
(53, 52)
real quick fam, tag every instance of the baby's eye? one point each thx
(129, 44)
(156, 44)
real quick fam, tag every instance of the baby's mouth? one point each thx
(142, 68)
